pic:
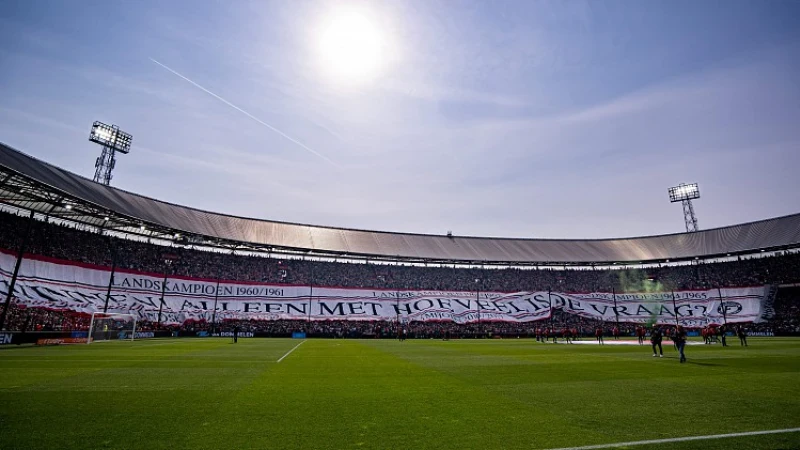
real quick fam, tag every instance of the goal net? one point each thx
(111, 327)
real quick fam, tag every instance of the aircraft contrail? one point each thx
(248, 114)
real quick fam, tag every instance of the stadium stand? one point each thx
(72, 244)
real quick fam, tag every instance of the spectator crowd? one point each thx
(68, 243)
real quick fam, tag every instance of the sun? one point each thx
(351, 46)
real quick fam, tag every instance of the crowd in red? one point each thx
(785, 321)
(67, 243)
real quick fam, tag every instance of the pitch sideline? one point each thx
(680, 439)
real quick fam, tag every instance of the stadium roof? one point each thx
(31, 184)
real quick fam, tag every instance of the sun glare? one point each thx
(351, 46)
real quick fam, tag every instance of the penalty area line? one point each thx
(680, 439)
(290, 351)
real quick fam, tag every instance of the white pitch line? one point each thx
(680, 439)
(290, 351)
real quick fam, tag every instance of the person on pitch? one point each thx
(679, 337)
(235, 334)
(615, 332)
(599, 334)
(640, 332)
(567, 335)
(671, 335)
(742, 333)
(655, 340)
(722, 330)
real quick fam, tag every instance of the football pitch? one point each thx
(383, 394)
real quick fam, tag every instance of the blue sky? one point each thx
(501, 118)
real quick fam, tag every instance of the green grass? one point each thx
(371, 394)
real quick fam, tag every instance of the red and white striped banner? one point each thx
(57, 284)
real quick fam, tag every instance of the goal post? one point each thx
(111, 326)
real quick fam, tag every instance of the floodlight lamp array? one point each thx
(111, 136)
(683, 192)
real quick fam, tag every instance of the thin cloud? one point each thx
(430, 92)
(248, 114)
(41, 119)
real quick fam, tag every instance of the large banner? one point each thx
(80, 287)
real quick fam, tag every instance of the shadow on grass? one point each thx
(698, 363)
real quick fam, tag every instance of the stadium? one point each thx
(406, 224)
(160, 289)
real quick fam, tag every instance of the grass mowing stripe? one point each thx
(290, 351)
(680, 439)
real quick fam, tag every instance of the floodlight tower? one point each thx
(685, 193)
(113, 140)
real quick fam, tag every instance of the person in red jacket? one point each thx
(599, 334)
(567, 335)
(615, 331)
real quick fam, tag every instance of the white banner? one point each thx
(56, 284)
